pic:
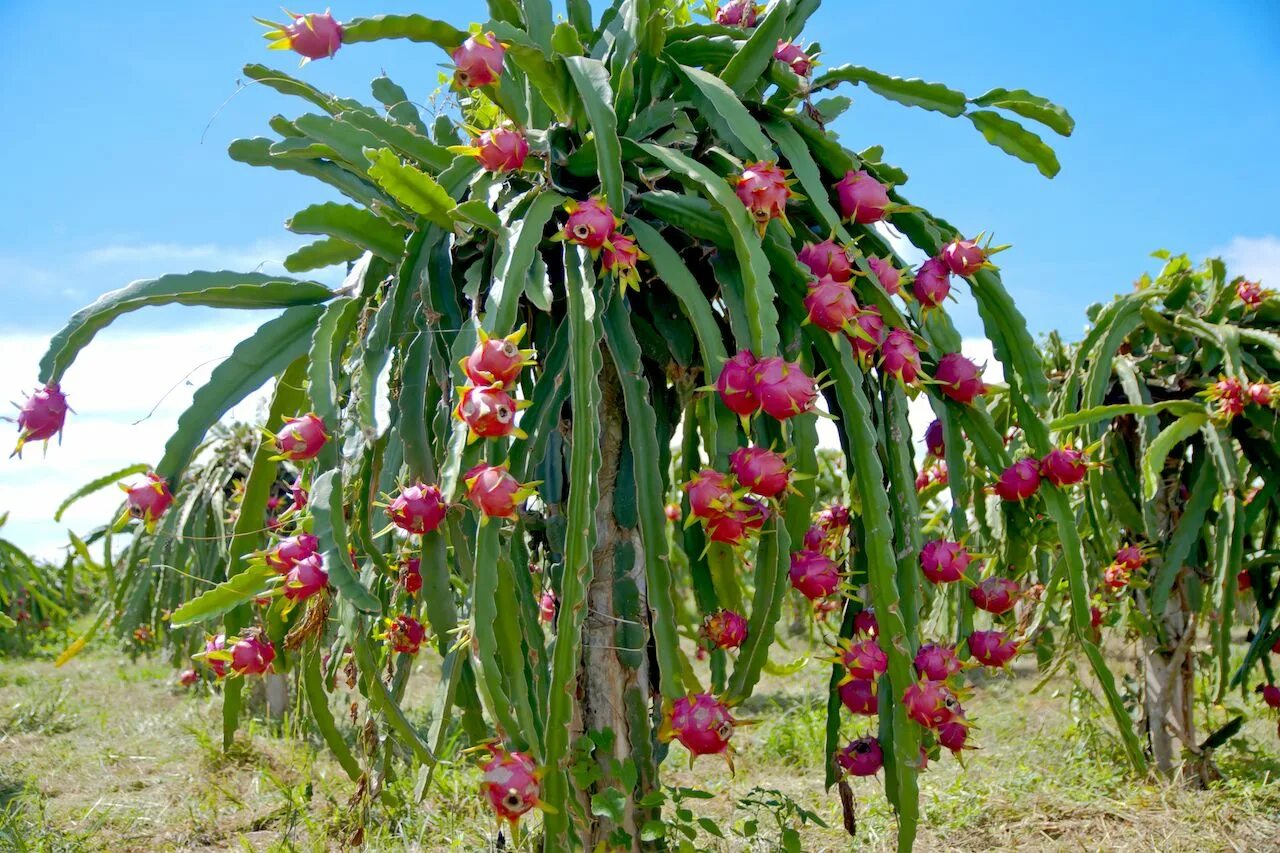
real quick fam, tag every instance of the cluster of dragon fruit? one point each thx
(732, 505)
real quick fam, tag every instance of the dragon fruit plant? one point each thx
(652, 207)
(1181, 512)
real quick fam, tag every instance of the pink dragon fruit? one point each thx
(149, 500)
(793, 54)
(764, 472)
(1095, 617)
(963, 257)
(1116, 576)
(488, 412)
(942, 561)
(548, 603)
(737, 385)
(728, 528)
(864, 623)
(859, 696)
(299, 497)
(252, 654)
(672, 511)
(933, 440)
(620, 258)
(497, 361)
(783, 388)
(830, 304)
(478, 61)
(726, 629)
(1251, 293)
(494, 492)
(1131, 557)
(737, 13)
(418, 508)
(1064, 466)
(815, 539)
(764, 189)
(512, 783)
(213, 645)
(834, 518)
(1244, 583)
(959, 378)
(502, 149)
(710, 493)
(992, 648)
(867, 334)
(313, 36)
(1262, 394)
(287, 552)
(900, 357)
(306, 578)
(863, 658)
(862, 198)
(814, 574)
(953, 735)
(405, 635)
(1019, 481)
(827, 259)
(936, 662)
(591, 223)
(1229, 392)
(754, 512)
(301, 438)
(995, 594)
(1271, 695)
(932, 283)
(702, 723)
(410, 577)
(930, 703)
(188, 677)
(41, 416)
(862, 757)
(889, 276)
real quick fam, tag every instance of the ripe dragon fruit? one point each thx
(827, 259)
(710, 493)
(859, 696)
(737, 386)
(793, 54)
(864, 622)
(1229, 392)
(313, 36)
(726, 629)
(783, 388)
(299, 497)
(1116, 576)
(410, 576)
(41, 416)
(672, 512)
(900, 357)
(734, 526)
(815, 539)
(188, 677)
(591, 223)
(930, 703)
(992, 648)
(814, 574)
(933, 440)
(217, 663)
(953, 735)
(1244, 583)
(147, 501)
(764, 472)
(404, 634)
(252, 654)
(306, 578)
(494, 492)
(301, 438)
(478, 61)
(995, 594)
(867, 334)
(942, 561)
(1019, 481)
(932, 283)
(863, 658)
(963, 257)
(1064, 466)
(1131, 557)
(287, 552)
(497, 360)
(937, 662)
(764, 189)
(512, 783)
(418, 508)
(620, 259)
(488, 412)
(547, 606)
(830, 305)
(1095, 617)
(1271, 695)
(502, 149)
(889, 276)
(959, 378)
(862, 757)
(737, 13)
(702, 724)
(1262, 394)
(862, 198)
(834, 518)
(1251, 293)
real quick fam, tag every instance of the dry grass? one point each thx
(102, 755)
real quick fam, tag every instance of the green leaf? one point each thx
(1030, 106)
(6, 623)
(352, 224)
(610, 803)
(393, 96)
(274, 78)
(726, 110)
(94, 485)
(1106, 413)
(751, 60)
(1163, 444)
(477, 212)
(411, 27)
(240, 588)
(409, 144)
(331, 529)
(1012, 138)
(258, 152)
(522, 235)
(322, 253)
(912, 92)
(213, 289)
(591, 78)
(412, 187)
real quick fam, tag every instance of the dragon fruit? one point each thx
(793, 54)
(710, 493)
(953, 735)
(672, 512)
(1262, 394)
(1019, 481)
(963, 257)
(497, 361)
(217, 662)
(830, 304)
(959, 378)
(942, 561)
(834, 518)
(933, 440)
(889, 276)
(1271, 695)
(995, 594)
(1131, 557)
(188, 677)
(726, 629)
(548, 603)
(313, 36)
(148, 500)
(737, 385)
(862, 198)
(410, 576)
(591, 223)
(867, 334)
(299, 497)
(932, 283)
(783, 388)
(728, 528)
(405, 635)
(620, 258)
(859, 696)
(1251, 293)
(1244, 583)
(827, 259)
(41, 416)
(1064, 466)
(814, 574)
(936, 662)
(494, 492)
(488, 412)
(862, 757)
(863, 658)
(900, 357)
(478, 61)
(864, 623)
(764, 189)
(764, 472)
(287, 552)
(1116, 576)
(930, 703)
(301, 438)
(815, 539)
(306, 578)
(502, 149)
(702, 723)
(992, 648)
(512, 783)
(252, 654)
(418, 508)
(1229, 393)
(737, 13)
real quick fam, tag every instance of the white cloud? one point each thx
(1257, 258)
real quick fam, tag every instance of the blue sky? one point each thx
(115, 140)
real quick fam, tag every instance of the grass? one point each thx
(107, 755)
